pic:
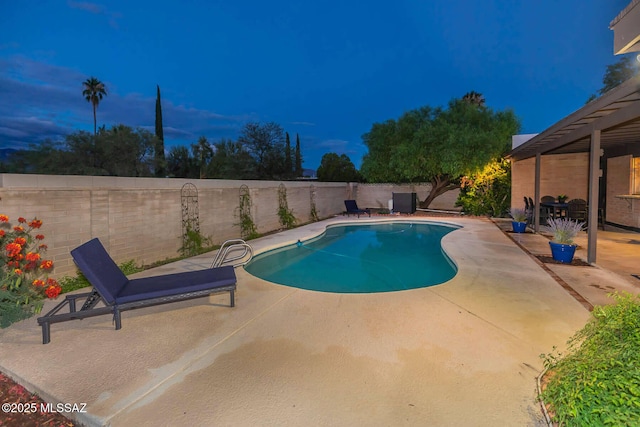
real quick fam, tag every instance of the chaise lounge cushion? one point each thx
(115, 288)
(101, 271)
(176, 284)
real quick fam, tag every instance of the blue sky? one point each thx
(325, 70)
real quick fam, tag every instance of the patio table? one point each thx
(558, 210)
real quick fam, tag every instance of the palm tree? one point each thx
(93, 92)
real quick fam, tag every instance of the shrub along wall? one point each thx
(141, 218)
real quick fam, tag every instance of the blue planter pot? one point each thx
(519, 227)
(561, 252)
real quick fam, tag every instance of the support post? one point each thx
(594, 191)
(536, 195)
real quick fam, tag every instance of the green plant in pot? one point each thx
(519, 222)
(562, 198)
(564, 231)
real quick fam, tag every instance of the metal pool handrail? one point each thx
(229, 246)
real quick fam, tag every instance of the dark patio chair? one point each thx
(545, 213)
(352, 208)
(118, 293)
(548, 199)
(528, 209)
(577, 210)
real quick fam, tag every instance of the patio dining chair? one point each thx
(547, 199)
(544, 212)
(528, 209)
(577, 210)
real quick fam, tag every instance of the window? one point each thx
(635, 176)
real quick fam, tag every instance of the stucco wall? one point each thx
(559, 174)
(141, 218)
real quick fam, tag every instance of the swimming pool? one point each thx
(361, 258)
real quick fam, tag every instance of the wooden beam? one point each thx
(623, 115)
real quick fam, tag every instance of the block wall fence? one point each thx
(141, 218)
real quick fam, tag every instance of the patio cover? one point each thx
(609, 121)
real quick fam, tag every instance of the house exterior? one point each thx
(592, 154)
(626, 29)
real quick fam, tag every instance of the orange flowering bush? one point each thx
(23, 271)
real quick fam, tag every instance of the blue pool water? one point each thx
(361, 259)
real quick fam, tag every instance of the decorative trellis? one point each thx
(247, 226)
(190, 211)
(282, 197)
(287, 219)
(313, 215)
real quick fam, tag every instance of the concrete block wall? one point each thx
(559, 174)
(621, 210)
(141, 218)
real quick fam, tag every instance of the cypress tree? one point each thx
(298, 170)
(159, 148)
(288, 167)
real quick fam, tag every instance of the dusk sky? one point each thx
(325, 70)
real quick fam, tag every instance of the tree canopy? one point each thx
(259, 153)
(265, 142)
(119, 151)
(288, 161)
(437, 145)
(202, 153)
(180, 163)
(231, 160)
(297, 171)
(616, 74)
(334, 168)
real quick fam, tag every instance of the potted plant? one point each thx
(562, 198)
(564, 231)
(519, 222)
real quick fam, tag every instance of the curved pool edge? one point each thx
(313, 231)
(316, 229)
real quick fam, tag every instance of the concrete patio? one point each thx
(462, 353)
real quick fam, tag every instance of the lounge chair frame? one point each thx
(352, 208)
(91, 299)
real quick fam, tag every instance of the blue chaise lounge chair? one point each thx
(352, 208)
(117, 293)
